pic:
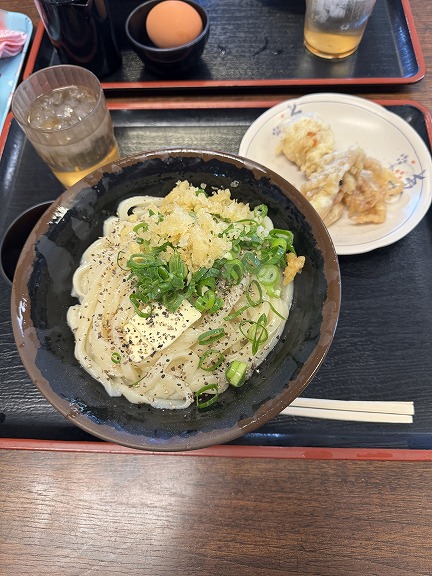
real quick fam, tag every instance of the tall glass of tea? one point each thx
(333, 29)
(63, 112)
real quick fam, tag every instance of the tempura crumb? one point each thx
(294, 266)
(189, 224)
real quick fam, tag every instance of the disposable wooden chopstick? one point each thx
(390, 407)
(359, 411)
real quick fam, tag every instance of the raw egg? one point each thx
(173, 23)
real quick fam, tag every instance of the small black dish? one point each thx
(165, 61)
(16, 236)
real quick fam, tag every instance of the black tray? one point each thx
(257, 43)
(382, 348)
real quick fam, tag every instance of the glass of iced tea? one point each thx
(63, 112)
(333, 29)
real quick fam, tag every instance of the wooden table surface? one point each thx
(117, 511)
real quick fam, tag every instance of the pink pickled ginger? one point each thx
(11, 42)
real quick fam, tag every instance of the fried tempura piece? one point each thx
(305, 142)
(375, 215)
(294, 266)
(338, 179)
(323, 189)
(334, 214)
(384, 178)
(365, 193)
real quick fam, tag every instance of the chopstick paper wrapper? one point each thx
(366, 411)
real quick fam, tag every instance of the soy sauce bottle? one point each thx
(82, 33)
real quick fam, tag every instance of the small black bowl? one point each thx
(16, 236)
(165, 61)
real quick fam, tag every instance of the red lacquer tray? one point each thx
(260, 44)
(387, 356)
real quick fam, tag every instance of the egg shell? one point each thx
(173, 23)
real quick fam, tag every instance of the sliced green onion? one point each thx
(273, 292)
(236, 313)
(279, 242)
(209, 282)
(286, 234)
(233, 271)
(137, 302)
(252, 226)
(252, 302)
(251, 241)
(269, 275)
(260, 211)
(275, 311)
(141, 226)
(236, 373)
(218, 303)
(275, 254)
(243, 323)
(121, 255)
(163, 273)
(257, 334)
(173, 300)
(164, 287)
(176, 266)
(206, 363)
(234, 252)
(211, 336)
(115, 358)
(141, 260)
(158, 280)
(202, 391)
(251, 262)
(250, 221)
(206, 301)
(136, 383)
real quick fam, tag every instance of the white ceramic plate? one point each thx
(382, 134)
(10, 68)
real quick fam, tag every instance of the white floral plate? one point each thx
(382, 134)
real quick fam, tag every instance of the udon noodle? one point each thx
(173, 298)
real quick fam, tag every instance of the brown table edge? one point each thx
(225, 451)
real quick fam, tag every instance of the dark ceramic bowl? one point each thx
(41, 296)
(165, 61)
(16, 236)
